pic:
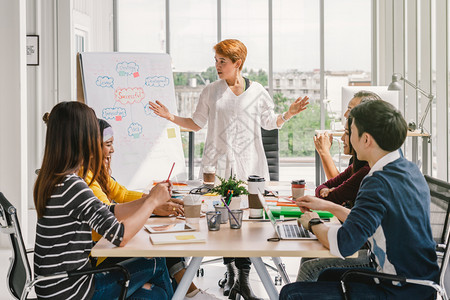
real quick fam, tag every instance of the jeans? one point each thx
(328, 287)
(142, 270)
(310, 268)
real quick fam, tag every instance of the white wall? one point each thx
(13, 107)
(30, 91)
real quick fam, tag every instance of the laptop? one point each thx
(286, 231)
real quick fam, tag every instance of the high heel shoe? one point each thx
(242, 286)
(228, 281)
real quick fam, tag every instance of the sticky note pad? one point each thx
(122, 73)
(136, 74)
(185, 237)
(118, 118)
(171, 133)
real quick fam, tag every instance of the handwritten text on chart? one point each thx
(157, 81)
(135, 130)
(116, 113)
(127, 68)
(129, 95)
(105, 81)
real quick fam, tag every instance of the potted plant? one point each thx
(228, 186)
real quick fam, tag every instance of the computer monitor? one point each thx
(382, 91)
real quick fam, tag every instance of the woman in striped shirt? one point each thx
(68, 211)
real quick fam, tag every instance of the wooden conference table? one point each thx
(249, 241)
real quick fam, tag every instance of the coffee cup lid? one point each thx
(255, 178)
(299, 181)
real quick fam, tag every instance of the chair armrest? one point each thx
(389, 277)
(372, 274)
(119, 268)
(78, 273)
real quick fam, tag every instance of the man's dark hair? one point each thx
(366, 96)
(382, 121)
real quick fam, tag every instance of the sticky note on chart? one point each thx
(171, 133)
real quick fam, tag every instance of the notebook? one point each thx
(178, 238)
(286, 231)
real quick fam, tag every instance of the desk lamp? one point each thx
(396, 86)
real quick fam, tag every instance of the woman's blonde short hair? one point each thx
(233, 49)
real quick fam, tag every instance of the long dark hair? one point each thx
(72, 143)
(105, 171)
(356, 164)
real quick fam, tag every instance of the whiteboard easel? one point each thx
(118, 86)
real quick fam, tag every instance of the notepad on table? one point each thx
(178, 238)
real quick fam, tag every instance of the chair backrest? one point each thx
(19, 271)
(439, 208)
(270, 144)
(444, 275)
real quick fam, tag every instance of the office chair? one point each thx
(444, 276)
(20, 278)
(439, 209)
(439, 217)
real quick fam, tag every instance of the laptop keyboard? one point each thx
(294, 231)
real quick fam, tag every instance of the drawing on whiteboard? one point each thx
(127, 69)
(129, 95)
(135, 130)
(157, 81)
(105, 81)
(116, 113)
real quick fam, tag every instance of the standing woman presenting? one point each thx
(235, 110)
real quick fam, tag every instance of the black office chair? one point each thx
(439, 217)
(444, 278)
(20, 278)
(270, 144)
(439, 208)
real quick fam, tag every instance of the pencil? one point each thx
(170, 172)
(229, 211)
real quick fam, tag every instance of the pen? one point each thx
(229, 211)
(229, 198)
(170, 172)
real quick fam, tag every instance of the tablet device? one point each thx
(166, 228)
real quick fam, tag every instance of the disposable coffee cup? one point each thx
(192, 207)
(298, 188)
(209, 174)
(256, 185)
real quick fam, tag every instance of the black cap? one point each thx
(255, 178)
(300, 181)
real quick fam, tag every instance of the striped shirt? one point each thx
(64, 238)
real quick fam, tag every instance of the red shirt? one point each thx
(346, 185)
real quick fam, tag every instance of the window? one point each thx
(347, 34)
(246, 20)
(142, 26)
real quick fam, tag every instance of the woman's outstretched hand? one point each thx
(160, 110)
(297, 106)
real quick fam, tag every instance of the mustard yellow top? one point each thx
(118, 193)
